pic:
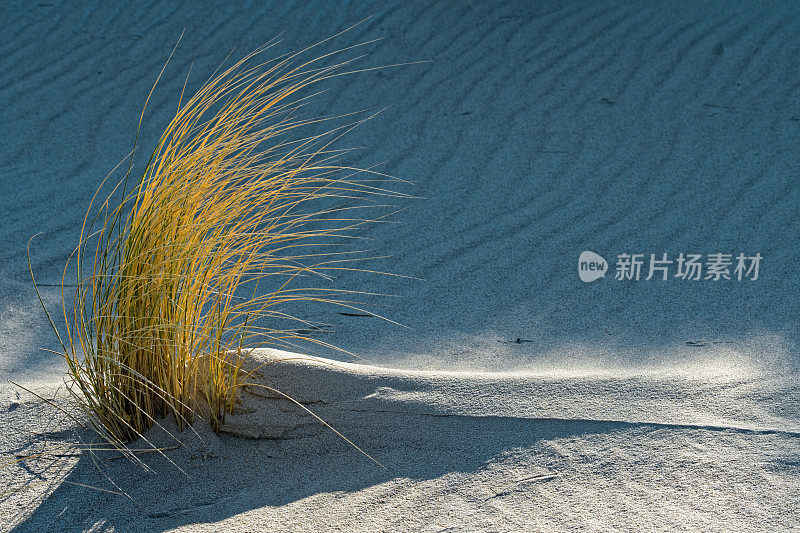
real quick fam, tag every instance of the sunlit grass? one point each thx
(184, 270)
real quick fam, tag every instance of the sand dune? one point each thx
(522, 398)
(488, 451)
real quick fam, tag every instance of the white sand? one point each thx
(536, 132)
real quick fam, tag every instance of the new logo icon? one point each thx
(591, 266)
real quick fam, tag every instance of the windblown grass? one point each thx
(193, 263)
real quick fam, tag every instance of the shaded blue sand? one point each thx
(535, 132)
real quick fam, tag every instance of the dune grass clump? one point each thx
(185, 269)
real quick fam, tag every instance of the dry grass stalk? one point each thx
(229, 203)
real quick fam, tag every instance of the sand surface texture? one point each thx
(519, 397)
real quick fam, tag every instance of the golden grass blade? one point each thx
(239, 191)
